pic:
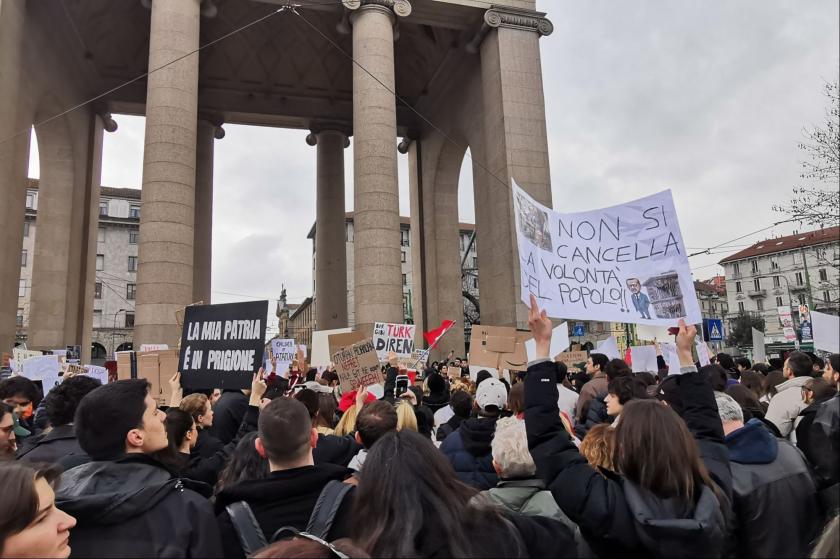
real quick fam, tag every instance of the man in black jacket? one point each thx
(228, 413)
(774, 496)
(60, 446)
(288, 495)
(126, 503)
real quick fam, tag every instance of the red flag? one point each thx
(433, 336)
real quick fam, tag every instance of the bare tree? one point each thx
(817, 200)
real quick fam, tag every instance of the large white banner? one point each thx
(625, 263)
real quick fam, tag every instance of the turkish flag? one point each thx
(433, 336)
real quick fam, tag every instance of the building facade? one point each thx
(789, 271)
(115, 288)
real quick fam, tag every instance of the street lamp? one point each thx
(114, 331)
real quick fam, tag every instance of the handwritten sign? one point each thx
(398, 338)
(283, 351)
(573, 359)
(357, 365)
(41, 367)
(222, 346)
(625, 263)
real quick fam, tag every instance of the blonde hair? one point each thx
(195, 405)
(347, 424)
(406, 418)
(597, 446)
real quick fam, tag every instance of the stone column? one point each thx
(377, 268)
(14, 155)
(167, 216)
(207, 134)
(330, 253)
(515, 146)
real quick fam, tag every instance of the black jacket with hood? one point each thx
(774, 496)
(132, 507)
(227, 415)
(59, 446)
(285, 498)
(616, 517)
(468, 450)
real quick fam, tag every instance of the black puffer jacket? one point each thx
(615, 517)
(775, 499)
(132, 507)
(468, 450)
(596, 413)
(822, 449)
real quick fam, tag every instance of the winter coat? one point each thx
(227, 415)
(59, 446)
(616, 517)
(450, 426)
(596, 385)
(805, 422)
(822, 449)
(332, 449)
(132, 507)
(528, 497)
(207, 470)
(206, 445)
(774, 496)
(468, 450)
(285, 498)
(596, 413)
(786, 405)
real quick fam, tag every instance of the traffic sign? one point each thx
(579, 329)
(714, 326)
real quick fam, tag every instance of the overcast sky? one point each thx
(708, 99)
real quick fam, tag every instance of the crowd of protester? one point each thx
(732, 459)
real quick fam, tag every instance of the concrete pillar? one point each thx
(330, 254)
(418, 241)
(515, 146)
(377, 268)
(167, 216)
(206, 133)
(14, 156)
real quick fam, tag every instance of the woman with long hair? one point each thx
(409, 503)
(199, 407)
(663, 503)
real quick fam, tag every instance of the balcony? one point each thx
(757, 293)
(795, 287)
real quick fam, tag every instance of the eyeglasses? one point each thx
(288, 532)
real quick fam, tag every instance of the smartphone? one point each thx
(401, 386)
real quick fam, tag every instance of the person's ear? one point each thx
(313, 437)
(258, 445)
(497, 468)
(358, 438)
(134, 438)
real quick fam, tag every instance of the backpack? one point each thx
(251, 536)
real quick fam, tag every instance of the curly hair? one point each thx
(597, 446)
(61, 402)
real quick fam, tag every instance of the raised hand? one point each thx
(685, 342)
(258, 388)
(541, 328)
(176, 392)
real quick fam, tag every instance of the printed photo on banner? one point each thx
(388, 337)
(625, 263)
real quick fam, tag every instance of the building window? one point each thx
(475, 283)
(801, 298)
(103, 208)
(736, 268)
(738, 287)
(129, 320)
(22, 288)
(133, 236)
(19, 318)
(776, 281)
(134, 211)
(779, 302)
(823, 274)
(754, 264)
(796, 258)
(26, 225)
(97, 290)
(132, 263)
(404, 279)
(100, 262)
(757, 284)
(404, 237)
(405, 304)
(760, 304)
(740, 306)
(799, 278)
(23, 258)
(131, 291)
(774, 264)
(100, 235)
(475, 262)
(30, 201)
(826, 296)
(97, 318)
(402, 256)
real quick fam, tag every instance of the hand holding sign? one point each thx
(540, 326)
(685, 341)
(361, 396)
(258, 388)
(393, 360)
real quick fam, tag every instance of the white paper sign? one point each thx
(826, 331)
(758, 346)
(284, 351)
(608, 347)
(321, 346)
(702, 353)
(49, 381)
(625, 263)
(559, 342)
(669, 353)
(97, 372)
(154, 347)
(388, 337)
(643, 359)
(38, 368)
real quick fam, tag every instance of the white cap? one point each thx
(491, 392)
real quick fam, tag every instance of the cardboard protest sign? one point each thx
(559, 342)
(357, 365)
(453, 373)
(624, 263)
(643, 359)
(826, 332)
(608, 347)
(574, 359)
(40, 367)
(222, 346)
(398, 338)
(499, 347)
(320, 346)
(283, 351)
(340, 341)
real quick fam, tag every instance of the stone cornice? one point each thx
(512, 18)
(401, 8)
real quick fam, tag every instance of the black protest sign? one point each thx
(222, 345)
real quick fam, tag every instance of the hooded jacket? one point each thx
(822, 443)
(132, 507)
(774, 496)
(59, 446)
(786, 405)
(332, 449)
(468, 450)
(528, 497)
(285, 498)
(227, 415)
(617, 518)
